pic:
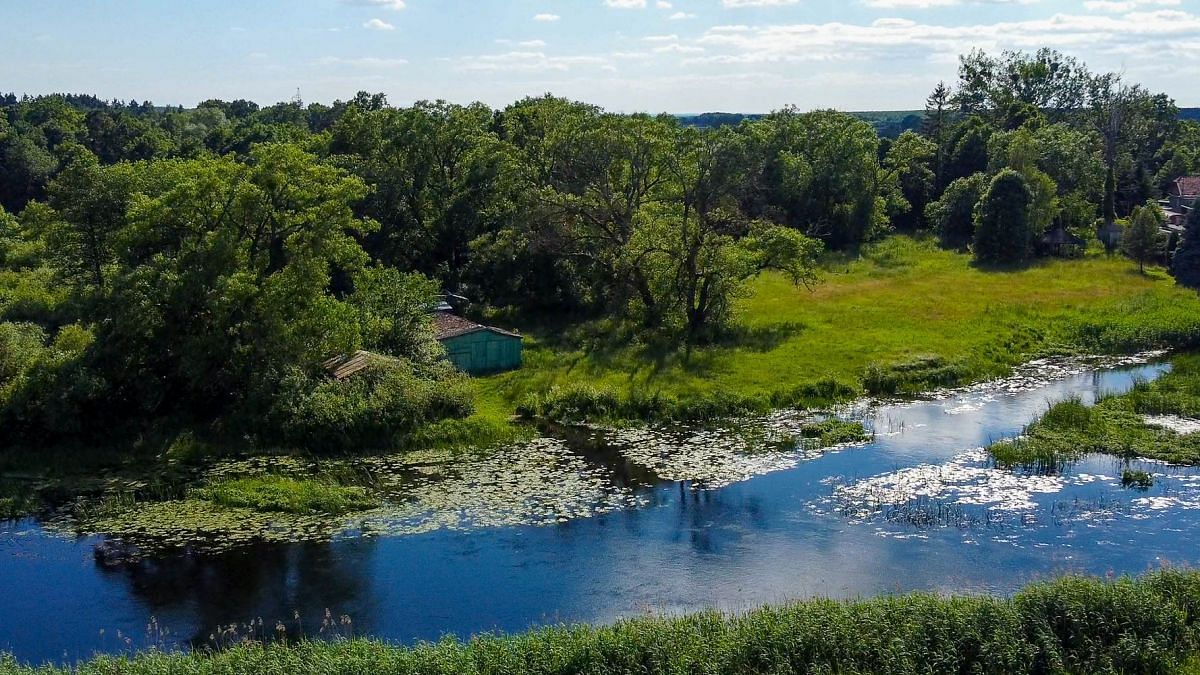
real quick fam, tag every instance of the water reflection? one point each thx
(768, 539)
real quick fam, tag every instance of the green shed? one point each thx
(477, 349)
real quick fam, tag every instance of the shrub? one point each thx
(375, 408)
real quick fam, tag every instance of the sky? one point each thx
(679, 56)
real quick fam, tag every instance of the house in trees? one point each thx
(474, 348)
(1181, 196)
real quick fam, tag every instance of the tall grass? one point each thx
(1072, 625)
(1114, 426)
(903, 317)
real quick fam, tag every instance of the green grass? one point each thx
(1115, 426)
(1072, 625)
(904, 317)
(287, 495)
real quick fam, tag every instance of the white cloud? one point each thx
(378, 24)
(735, 4)
(1126, 5)
(663, 4)
(363, 62)
(1142, 33)
(626, 4)
(527, 61)
(394, 5)
(546, 17)
(661, 38)
(678, 16)
(532, 44)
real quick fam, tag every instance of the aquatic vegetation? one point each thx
(1141, 423)
(716, 457)
(1139, 480)
(1074, 624)
(287, 495)
(967, 479)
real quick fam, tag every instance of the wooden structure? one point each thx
(1058, 240)
(477, 349)
(348, 365)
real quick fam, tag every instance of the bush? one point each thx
(376, 408)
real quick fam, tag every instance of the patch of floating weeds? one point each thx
(1183, 426)
(967, 479)
(718, 457)
(1137, 480)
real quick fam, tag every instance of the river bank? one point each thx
(1074, 624)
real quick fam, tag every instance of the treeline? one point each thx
(201, 264)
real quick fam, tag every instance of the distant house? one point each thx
(1180, 198)
(474, 348)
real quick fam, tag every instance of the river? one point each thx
(917, 508)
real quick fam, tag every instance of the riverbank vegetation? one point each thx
(168, 272)
(1133, 425)
(1077, 625)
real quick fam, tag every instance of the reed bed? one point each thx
(1070, 625)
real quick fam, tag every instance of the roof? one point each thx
(1188, 186)
(1060, 237)
(447, 326)
(348, 365)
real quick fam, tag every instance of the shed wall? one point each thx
(484, 352)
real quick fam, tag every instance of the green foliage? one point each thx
(1146, 626)
(1185, 265)
(287, 495)
(393, 312)
(1144, 241)
(953, 215)
(1070, 430)
(918, 374)
(373, 409)
(1004, 233)
(1137, 480)
(585, 403)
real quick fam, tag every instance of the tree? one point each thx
(818, 172)
(936, 127)
(1004, 233)
(953, 215)
(1144, 240)
(911, 160)
(698, 249)
(1186, 263)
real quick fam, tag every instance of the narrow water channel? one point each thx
(919, 508)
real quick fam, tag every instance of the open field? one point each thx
(903, 317)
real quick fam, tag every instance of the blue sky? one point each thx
(627, 55)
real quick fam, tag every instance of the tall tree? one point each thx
(1144, 240)
(1004, 234)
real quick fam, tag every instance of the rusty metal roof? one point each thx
(447, 326)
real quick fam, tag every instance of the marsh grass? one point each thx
(1116, 425)
(283, 494)
(1071, 625)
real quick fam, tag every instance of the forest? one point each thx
(195, 267)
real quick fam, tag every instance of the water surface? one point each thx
(916, 509)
